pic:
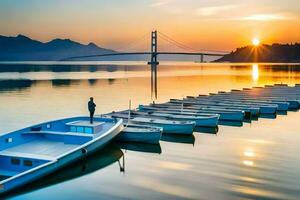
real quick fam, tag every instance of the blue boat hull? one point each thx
(143, 137)
(52, 165)
(187, 129)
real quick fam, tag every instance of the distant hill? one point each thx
(264, 53)
(22, 48)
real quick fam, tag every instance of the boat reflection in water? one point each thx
(209, 130)
(141, 147)
(231, 123)
(268, 116)
(185, 139)
(279, 112)
(99, 160)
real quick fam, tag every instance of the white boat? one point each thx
(204, 121)
(197, 106)
(208, 120)
(168, 126)
(264, 108)
(224, 114)
(139, 133)
(280, 105)
(254, 111)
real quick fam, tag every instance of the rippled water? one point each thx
(259, 160)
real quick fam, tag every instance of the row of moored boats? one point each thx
(183, 116)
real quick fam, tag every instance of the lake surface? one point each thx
(259, 160)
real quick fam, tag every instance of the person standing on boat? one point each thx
(91, 106)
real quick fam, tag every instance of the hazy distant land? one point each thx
(286, 53)
(22, 48)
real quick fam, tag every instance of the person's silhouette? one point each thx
(91, 106)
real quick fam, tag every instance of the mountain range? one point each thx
(22, 48)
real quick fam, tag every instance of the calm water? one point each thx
(259, 160)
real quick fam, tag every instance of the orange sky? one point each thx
(201, 24)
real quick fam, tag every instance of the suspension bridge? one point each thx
(154, 50)
(154, 54)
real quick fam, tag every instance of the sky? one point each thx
(200, 24)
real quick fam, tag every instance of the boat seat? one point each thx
(66, 137)
(26, 155)
(59, 133)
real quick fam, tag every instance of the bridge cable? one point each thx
(133, 43)
(174, 42)
(187, 47)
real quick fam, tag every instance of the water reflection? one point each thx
(209, 130)
(56, 67)
(268, 116)
(92, 81)
(63, 83)
(15, 85)
(154, 80)
(231, 123)
(111, 81)
(248, 162)
(255, 72)
(139, 147)
(186, 139)
(249, 153)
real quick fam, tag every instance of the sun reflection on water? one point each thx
(248, 162)
(249, 153)
(255, 72)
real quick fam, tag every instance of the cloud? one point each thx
(214, 10)
(167, 6)
(159, 3)
(264, 17)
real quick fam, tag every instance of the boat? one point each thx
(280, 101)
(254, 111)
(202, 109)
(269, 93)
(36, 151)
(200, 120)
(100, 159)
(168, 126)
(264, 108)
(224, 115)
(208, 120)
(293, 103)
(139, 133)
(281, 105)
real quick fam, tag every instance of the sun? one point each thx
(255, 41)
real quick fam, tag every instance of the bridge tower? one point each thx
(153, 48)
(154, 63)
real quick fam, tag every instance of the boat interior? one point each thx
(34, 146)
